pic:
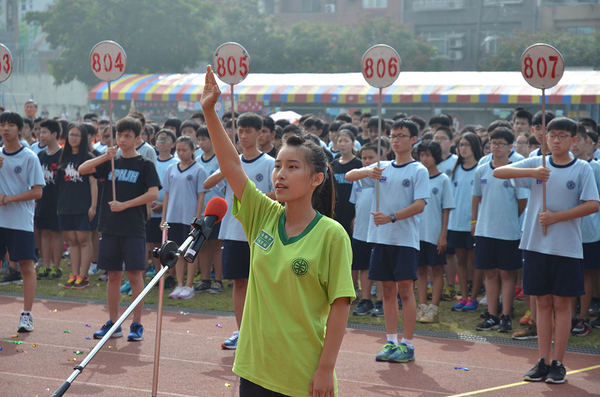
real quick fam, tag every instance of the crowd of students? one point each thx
(424, 207)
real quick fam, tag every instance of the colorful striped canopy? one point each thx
(575, 87)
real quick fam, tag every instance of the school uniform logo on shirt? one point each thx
(264, 240)
(18, 169)
(259, 177)
(300, 267)
(406, 183)
(570, 185)
(358, 190)
(435, 190)
(189, 177)
(506, 184)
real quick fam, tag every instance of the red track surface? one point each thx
(193, 364)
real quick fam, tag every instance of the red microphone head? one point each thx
(217, 206)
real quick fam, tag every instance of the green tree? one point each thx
(158, 35)
(577, 50)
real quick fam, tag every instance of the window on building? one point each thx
(581, 30)
(439, 40)
(311, 6)
(374, 3)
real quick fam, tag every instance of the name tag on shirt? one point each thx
(264, 240)
(484, 181)
(538, 182)
(383, 179)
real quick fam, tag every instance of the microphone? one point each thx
(214, 212)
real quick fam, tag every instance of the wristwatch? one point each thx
(393, 217)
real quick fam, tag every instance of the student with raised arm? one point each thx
(300, 272)
(553, 266)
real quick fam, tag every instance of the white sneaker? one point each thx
(26, 323)
(186, 293)
(93, 269)
(176, 292)
(483, 301)
(421, 310)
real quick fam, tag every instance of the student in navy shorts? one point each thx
(123, 221)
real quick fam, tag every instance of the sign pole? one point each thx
(544, 143)
(110, 126)
(378, 145)
(232, 115)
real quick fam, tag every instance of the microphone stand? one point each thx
(168, 255)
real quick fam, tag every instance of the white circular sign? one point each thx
(6, 64)
(231, 63)
(108, 60)
(381, 65)
(542, 66)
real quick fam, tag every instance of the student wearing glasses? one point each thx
(404, 191)
(553, 267)
(495, 225)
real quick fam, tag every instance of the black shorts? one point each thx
(47, 223)
(80, 223)
(250, 389)
(591, 255)
(545, 274)
(153, 231)
(236, 259)
(178, 232)
(462, 240)
(493, 253)
(94, 221)
(428, 255)
(361, 254)
(393, 263)
(19, 244)
(116, 250)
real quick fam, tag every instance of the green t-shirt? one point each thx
(292, 283)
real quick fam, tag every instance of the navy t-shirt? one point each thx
(134, 176)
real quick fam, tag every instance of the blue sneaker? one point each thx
(104, 330)
(388, 350)
(403, 354)
(125, 288)
(136, 331)
(460, 305)
(151, 271)
(471, 306)
(231, 343)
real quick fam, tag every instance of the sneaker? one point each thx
(471, 305)
(484, 301)
(104, 330)
(56, 272)
(388, 349)
(125, 288)
(26, 323)
(71, 281)
(93, 270)
(364, 308)
(170, 282)
(204, 286)
(176, 292)
(136, 332)
(449, 293)
(595, 307)
(378, 310)
(430, 292)
(374, 289)
(491, 323)
(216, 287)
(403, 354)
(458, 306)
(596, 323)
(5, 267)
(186, 293)
(529, 331)
(81, 283)
(44, 272)
(582, 327)
(537, 373)
(505, 324)
(557, 373)
(432, 315)
(231, 343)
(525, 319)
(421, 310)
(484, 315)
(103, 277)
(519, 295)
(67, 252)
(13, 276)
(151, 271)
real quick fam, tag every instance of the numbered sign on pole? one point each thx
(6, 63)
(542, 66)
(381, 65)
(231, 63)
(108, 61)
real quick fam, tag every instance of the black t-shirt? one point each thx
(74, 193)
(273, 152)
(47, 205)
(100, 183)
(362, 140)
(134, 176)
(344, 209)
